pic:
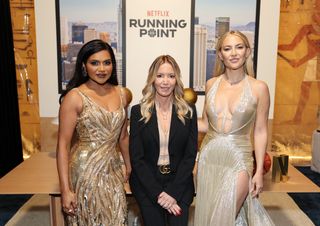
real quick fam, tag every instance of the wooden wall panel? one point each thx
(24, 38)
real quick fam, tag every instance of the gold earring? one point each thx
(84, 72)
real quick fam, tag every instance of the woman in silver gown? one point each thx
(236, 105)
(93, 112)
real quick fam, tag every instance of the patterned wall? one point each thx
(297, 95)
(24, 39)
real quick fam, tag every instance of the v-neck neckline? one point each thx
(231, 113)
(99, 105)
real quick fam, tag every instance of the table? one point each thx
(38, 175)
(315, 161)
(297, 182)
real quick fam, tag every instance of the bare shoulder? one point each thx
(210, 82)
(125, 95)
(72, 100)
(259, 88)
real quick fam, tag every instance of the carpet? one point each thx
(281, 208)
(309, 203)
(35, 212)
(10, 204)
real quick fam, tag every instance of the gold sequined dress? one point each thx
(223, 156)
(95, 167)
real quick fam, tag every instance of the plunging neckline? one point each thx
(100, 106)
(231, 113)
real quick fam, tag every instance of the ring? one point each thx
(70, 210)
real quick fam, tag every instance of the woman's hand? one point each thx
(69, 203)
(166, 201)
(257, 184)
(169, 203)
(175, 210)
(127, 173)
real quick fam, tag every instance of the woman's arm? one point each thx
(124, 136)
(203, 123)
(186, 165)
(68, 114)
(124, 147)
(260, 134)
(141, 169)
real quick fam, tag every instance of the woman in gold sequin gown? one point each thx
(236, 104)
(92, 121)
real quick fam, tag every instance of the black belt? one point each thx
(164, 169)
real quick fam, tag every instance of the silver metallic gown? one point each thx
(223, 156)
(95, 167)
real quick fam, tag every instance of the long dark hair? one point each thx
(88, 49)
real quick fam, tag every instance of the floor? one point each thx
(281, 208)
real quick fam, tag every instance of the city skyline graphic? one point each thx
(82, 21)
(212, 19)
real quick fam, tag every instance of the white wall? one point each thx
(47, 57)
(47, 53)
(267, 47)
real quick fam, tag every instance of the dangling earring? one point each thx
(223, 66)
(84, 72)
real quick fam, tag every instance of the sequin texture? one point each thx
(95, 171)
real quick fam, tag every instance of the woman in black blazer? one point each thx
(163, 147)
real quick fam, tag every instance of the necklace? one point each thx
(164, 114)
(164, 123)
(165, 119)
(235, 82)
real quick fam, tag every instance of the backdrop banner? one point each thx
(152, 29)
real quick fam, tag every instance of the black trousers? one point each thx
(154, 215)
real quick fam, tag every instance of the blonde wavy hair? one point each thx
(219, 67)
(147, 103)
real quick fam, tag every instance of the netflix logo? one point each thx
(157, 24)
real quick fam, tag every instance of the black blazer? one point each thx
(144, 154)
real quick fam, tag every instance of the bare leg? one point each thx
(242, 189)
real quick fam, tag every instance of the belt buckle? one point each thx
(164, 169)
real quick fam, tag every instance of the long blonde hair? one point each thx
(147, 103)
(219, 67)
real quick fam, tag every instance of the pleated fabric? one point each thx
(224, 154)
